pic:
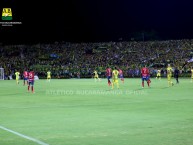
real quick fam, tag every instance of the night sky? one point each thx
(96, 20)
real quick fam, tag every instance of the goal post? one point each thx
(1, 73)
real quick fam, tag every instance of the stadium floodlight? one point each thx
(1, 73)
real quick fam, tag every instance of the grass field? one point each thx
(84, 112)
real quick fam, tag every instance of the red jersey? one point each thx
(25, 74)
(31, 76)
(145, 72)
(120, 72)
(108, 72)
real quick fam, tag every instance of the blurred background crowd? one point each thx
(72, 60)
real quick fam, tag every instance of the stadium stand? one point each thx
(66, 60)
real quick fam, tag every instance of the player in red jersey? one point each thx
(121, 75)
(145, 76)
(109, 74)
(25, 77)
(31, 81)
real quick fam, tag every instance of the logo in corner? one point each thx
(6, 14)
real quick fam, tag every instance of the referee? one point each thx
(176, 74)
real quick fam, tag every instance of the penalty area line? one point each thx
(23, 136)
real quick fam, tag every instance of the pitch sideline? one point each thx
(23, 136)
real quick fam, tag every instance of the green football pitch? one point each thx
(85, 112)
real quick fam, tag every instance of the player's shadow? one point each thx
(165, 88)
(139, 89)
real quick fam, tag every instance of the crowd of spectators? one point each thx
(69, 60)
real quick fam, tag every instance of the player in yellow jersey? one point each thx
(17, 76)
(158, 74)
(115, 77)
(191, 74)
(169, 75)
(48, 76)
(96, 76)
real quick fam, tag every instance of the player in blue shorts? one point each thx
(145, 76)
(121, 75)
(108, 74)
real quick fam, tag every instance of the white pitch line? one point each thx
(24, 136)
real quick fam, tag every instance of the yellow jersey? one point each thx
(169, 71)
(95, 73)
(48, 73)
(17, 75)
(115, 74)
(158, 72)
